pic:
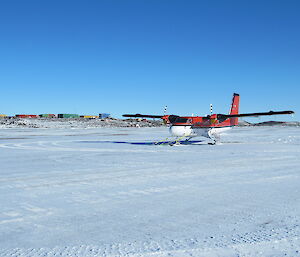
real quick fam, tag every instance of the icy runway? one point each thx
(111, 192)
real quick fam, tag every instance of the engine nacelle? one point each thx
(181, 131)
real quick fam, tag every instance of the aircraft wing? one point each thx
(254, 114)
(142, 116)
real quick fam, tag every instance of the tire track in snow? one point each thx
(285, 236)
(57, 146)
(91, 177)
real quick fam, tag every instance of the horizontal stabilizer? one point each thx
(254, 114)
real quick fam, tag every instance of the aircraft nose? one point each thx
(180, 131)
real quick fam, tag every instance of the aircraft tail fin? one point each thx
(234, 109)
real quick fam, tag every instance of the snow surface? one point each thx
(111, 192)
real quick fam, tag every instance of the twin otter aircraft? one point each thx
(210, 126)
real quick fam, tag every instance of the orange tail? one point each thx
(235, 109)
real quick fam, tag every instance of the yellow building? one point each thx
(3, 115)
(90, 117)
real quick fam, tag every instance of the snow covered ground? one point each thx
(111, 192)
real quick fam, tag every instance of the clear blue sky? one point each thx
(130, 56)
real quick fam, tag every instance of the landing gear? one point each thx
(214, 142)
(215, 137)
(177, 141)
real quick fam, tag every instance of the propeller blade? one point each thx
(142, 116)
(254, 114)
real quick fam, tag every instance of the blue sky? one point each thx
(137, 56)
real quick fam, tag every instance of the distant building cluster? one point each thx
(58, 116)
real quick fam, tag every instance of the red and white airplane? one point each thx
(210, 126)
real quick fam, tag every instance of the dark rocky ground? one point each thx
(76, 123)
(270, 123)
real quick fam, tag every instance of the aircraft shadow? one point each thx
(191, 142)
